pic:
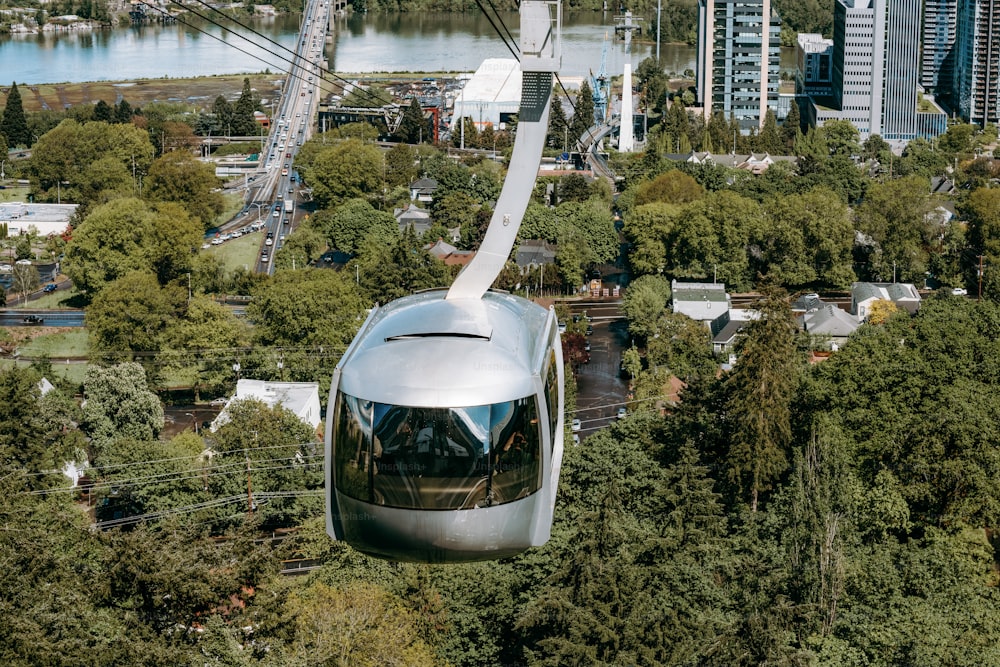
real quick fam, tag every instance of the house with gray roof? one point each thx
(830, 324)
(414, 217)
(423, 189)
(904, 295)
(533, 253)
(704, 302)
(728, 327)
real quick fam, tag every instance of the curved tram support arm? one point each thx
(540, 57)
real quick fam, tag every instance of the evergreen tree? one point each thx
(558, 136)
(14, 125)
(123, 112)
(243, 124)
(413, 128)
(583, 116)
(759, 399)
(791, 127)
(768, 140)
(103, 112)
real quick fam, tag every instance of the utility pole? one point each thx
(659, 7)
(249, 489)
(979, 296)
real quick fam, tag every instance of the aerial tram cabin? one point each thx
(444, 433)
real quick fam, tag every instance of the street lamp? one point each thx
(191, 415)
(2, 163)
(258, 205)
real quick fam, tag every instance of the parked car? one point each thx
(575, 426)
(622, 413)
(959, 291)
(51, 287)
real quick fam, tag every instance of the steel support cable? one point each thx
(295, 54)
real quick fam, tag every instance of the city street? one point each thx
(600, 389)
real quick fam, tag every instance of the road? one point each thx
(600, 389)
(274, 182)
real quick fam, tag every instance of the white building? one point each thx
(300, 398)
(491, 96)
(42, 219)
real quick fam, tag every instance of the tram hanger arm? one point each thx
(540, 57)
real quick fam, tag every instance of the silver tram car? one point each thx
(445, 431)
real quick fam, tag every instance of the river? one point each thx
(419, 42)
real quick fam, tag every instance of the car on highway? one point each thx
(276, 213)
(268, 241)
(265, 257)
(33, 319)
(284, 172)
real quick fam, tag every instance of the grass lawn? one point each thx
(14, 193)
(241, 253)
(73, 373)
(59, 343)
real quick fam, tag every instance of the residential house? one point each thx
(903, 295)
(727, 328)
(301, 398)
(449, 254)
(704, 302)
(423, 189)
(414, 217)
(534, 253)
(831, 324)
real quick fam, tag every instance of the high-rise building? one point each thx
(876, 46)
(814, 60)
(937, 65)
(739, 57)
(977, 63)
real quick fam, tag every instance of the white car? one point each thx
(6, 267)
(268, 241)
(576, 439)
(959, 291)
(622, 413)
(575, 426)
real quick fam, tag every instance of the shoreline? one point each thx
(199, 91)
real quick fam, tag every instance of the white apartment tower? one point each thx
(876, 66)
(739, 57)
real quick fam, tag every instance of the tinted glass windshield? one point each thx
(437, 458)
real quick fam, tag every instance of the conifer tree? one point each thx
(413, 128)
(123, 112)
(103, 112)
(791, 127)
(759, 399)
(583, 117)
(558, 136)
(14, 125)
(244, 124)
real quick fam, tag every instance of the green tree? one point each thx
(558, 135)
(347, 170)
(644, 302)
(312, 307)
(583, 115)
(759, 403)
(400, 166)
(413, 127)
(14, 125)
(357, 624)
(671, 187)
(791, 128)
(179, 177)
(389, 273)
(130, 235)
(244, 124)
(119, 405)
(349, 224)
(131, 314)
(103, 112)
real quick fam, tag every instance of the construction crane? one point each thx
(600, 86)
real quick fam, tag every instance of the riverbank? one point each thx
(199, 92)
